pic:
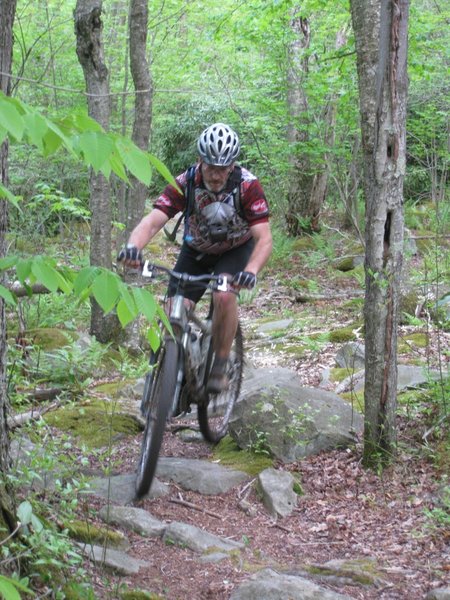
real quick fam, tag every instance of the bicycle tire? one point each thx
(159, 401)
(215, 411)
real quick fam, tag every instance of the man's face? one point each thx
(214, 177)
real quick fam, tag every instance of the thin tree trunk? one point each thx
(320, 183)
(88, 28)
(301, 179)
(381, 43)
(142, 105)
(7, 509)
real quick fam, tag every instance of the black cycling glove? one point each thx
(130, 252)
(244, 279)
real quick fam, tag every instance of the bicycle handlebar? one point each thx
(148, 269)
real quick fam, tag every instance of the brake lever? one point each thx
(146, 271)
(222, 284)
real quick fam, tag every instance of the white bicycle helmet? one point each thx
(218, 145)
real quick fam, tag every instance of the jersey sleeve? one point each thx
(172, 201)
(254, 203)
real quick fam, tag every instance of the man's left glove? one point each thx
(244, 279)
(130, 253)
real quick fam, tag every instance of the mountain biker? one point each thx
(227, 231)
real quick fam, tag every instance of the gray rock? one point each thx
(272, 326)
(199, 475)
(439, 594)
(409, 376)
(277, 491)
(121, 488)
(270, 585)
(198, 540)
(135, 519)
(291, 421)
(114, 560)
(351, 356)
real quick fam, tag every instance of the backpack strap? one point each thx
(187, 211)
(235, 185)
(190, 196)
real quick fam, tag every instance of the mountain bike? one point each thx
(179, 372)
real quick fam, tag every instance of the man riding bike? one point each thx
(227, 231)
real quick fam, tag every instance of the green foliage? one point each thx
(10, 588)
(49, 212)
(43, 549)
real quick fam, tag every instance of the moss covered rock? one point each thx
(96, 424)
(230, 455)
(346, 334)
(303, 243)
(50, 338)
(84, 531)
(414, 340)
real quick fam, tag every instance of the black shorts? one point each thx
(196, 263)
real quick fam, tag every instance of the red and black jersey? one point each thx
(253, 209)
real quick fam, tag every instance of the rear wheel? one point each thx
(158, 399)
(215, 410)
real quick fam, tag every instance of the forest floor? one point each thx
(346, 511)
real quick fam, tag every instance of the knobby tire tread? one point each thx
(162, 393)
(214, 427)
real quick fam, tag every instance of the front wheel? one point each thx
(159, 393)
(215, 411)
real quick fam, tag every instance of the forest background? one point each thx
(284, 78)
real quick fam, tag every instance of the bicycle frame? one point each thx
(193, 363)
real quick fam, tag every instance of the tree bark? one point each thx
(142, 105)
(381, 43)
(301, 180)
(7, 508)
(88, 29)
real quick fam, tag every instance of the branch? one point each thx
(20, 291)
(194, 506)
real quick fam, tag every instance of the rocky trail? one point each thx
(320, 526)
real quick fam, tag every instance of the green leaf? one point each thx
(83, 122)
(5, 193)
(163, 170)
(11, 120)
(128, 298)
(45, 274)
(54, 139)
(117, 166)
(25, 512)
(23, 269)
(36, 523)
(106, 290)
(96, 148)
(36, 128)
(7, 296)
(145, 302)
(8, 590)
(7, 262)
(124, 314)
(136, 161)
(84, 279)
(154, 336)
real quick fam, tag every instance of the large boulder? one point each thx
(277, 416)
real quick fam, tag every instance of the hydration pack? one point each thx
(233, 185)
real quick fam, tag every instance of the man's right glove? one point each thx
(244, 279)
(130, 253)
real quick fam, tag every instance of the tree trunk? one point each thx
(142, 104)
(381, 44)
(320, 183)
(301, 180)
(88, 29)
(7, 509)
